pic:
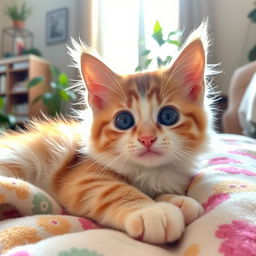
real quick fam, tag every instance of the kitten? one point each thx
(127, 164)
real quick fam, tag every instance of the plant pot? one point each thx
(19, 24)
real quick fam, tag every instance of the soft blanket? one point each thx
(34, 224)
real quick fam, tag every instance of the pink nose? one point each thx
(147, 141)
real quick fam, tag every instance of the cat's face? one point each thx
(148, 119)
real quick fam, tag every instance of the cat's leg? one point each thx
(155, 223)
(190, 208)
(108, 199)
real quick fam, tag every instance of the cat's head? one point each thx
(151, 118)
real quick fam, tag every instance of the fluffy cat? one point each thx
(127, 164)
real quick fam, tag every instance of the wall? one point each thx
(230, 30)
(56, 54)
(228, 19)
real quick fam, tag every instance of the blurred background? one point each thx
(121, 31)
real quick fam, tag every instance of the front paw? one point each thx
(190, 208)
(156, 223)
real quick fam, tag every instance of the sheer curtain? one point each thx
(121, 29)
(192, 13)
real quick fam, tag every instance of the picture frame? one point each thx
(56, 26)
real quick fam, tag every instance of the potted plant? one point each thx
(58, 96)
(18, 14)
(147, 57)
(7, 121)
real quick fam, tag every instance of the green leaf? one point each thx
(12, 120)
(158, 34)
(157, 28)
(176, 33)
(53, 103)
(147, 63)
(18, 12)
(160, 62)
(172, 33)
(138, 69)
(145, 53)
(47, 97)
(35, 81)
(54, 72)
(64, 95)
(252, 15)
(37, 99)
(7, 121)
(63, 79)
(1, 103)
(175, 42)
(167, 60)
(3, 118)
(252, 54)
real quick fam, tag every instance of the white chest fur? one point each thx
(160, 180)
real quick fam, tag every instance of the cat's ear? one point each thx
(99, 80)
(188, 69)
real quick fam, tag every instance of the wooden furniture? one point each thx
(15, 72)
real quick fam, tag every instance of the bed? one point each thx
(32, 223)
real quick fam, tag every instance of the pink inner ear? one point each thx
(194, 73)
(195, 91)
(97, 102)
(194, 79)
(96, 88)
(97, 95)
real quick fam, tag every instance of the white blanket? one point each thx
(225, 185)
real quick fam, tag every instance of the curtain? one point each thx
(192, 13)
(120, 29)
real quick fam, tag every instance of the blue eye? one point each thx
(124, 120)
(168, 115)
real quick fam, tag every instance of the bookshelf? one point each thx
(15, 72)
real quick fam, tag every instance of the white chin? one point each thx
(150, 160)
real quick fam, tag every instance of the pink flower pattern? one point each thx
(20, 253)
(242, 153)
(215, 200)
(239, 239)
(235, 170)
(88, 224)
(223, 160)
(229, 140)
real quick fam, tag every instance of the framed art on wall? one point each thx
(57, 26)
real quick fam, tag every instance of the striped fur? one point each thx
(96, 170)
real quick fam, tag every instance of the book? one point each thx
(20, 109)
(20, 86)
(3, 68)
(20, 65)
(2, 83)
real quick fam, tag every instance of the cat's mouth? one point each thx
(149, 153)
(149, 157)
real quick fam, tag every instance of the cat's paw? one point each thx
(190, 208)
(157, 223)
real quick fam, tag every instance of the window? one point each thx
(123, 25)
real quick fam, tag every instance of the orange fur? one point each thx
(103, 175)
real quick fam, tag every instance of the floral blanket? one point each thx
(32, 223)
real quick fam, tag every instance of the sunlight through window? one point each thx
(123, 23)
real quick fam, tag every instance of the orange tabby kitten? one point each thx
(128, 163)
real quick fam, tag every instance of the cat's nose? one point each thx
(148, 140)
